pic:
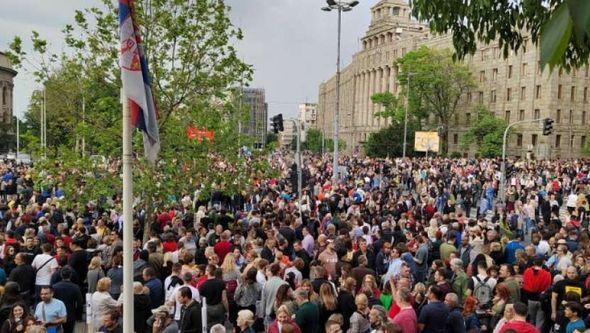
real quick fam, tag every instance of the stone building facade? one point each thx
(514, 88)
(7, 75)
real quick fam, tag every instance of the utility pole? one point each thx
(340, 6)
(501, 188)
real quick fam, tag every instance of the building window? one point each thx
(494, 73)
(507, 116)
(583, 141)
(557, 141)
(522, 93)
(558, 116)
(4, 96)
(482, 76)
(519, 140)
(468, 97)
(521, 115)
(493, 96)
(572, 137)
(585, 94)
(571, 117)
(534, 139)
(455, 139)
(537, 114)
(573, 94)
(508, 93)
(523, 70)
(538, 91)
(559, 91)
(583, 117)
(480, 97)
(468, 118)
(509, 71)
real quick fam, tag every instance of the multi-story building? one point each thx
(307, 117)
(7, 130)
(514, 88)
(288, 133)
(7, 75)
(257, 123)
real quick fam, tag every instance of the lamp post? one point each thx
(340, 6)
(406, 118)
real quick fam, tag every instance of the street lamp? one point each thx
(406, 117)
(340, 6)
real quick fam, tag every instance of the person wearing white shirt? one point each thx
(187, 278)
(45, 265)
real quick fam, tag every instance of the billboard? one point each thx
(426, 141)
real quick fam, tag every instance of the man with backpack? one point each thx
(482, 286)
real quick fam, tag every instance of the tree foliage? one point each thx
(486, 134)
(388, 142)
(313, 142)
(188, 45)
(560, 27)
(435, 84)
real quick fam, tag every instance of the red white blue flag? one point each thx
(135, 78)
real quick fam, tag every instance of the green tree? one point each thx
(435, 84)
(486, 133)
(560, 27)
(388, 142)
(189, 47)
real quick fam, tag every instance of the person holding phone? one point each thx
(51, 312)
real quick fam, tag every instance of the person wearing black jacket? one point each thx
(24, 274)
(79, 262)
(190, 316)
(69, 293)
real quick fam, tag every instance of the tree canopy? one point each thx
(560, 27)
(194, 66)
(486, 133)
(434, 84)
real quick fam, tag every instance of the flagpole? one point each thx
(127, 218)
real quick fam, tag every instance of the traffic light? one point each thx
(277, 123)
(547, 126)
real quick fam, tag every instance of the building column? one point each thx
(366, 99)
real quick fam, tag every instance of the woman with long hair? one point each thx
(17, 320)
(306, 285)
(284, 299)
(231, 276)
(346, 304)
(472, 324)
(499, 303)
(95, 273)
(10, 297)
(328, 304)
(370, 283)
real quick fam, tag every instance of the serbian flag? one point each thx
(135, 77)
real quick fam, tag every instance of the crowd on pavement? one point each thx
(393, 245)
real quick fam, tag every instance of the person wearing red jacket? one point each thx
(223, 247)
(519, 323)
(535, 280)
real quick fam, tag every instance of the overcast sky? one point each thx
(290, 43)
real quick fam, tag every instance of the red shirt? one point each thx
(222, 249)
(519, 326)
(169, 246)
(536, 281)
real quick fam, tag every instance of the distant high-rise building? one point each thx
(307, 117)
(257, 123)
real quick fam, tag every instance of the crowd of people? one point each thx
(393, 245)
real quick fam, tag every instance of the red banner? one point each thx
(193, 133)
